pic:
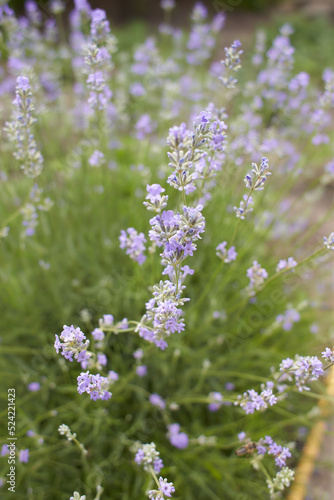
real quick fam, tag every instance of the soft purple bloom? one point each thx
(34, 386)
(287, 319)
(144, 126)
(73, 343)
(224, 254)
(141, 370)
(134, 244)
(148, 455)
(229, 386)
(102, 358)
(284, 264)
(137, 89)
(138, 354)
(241, 435)
(113, 376)
(256, 275)
(24, 456)
(22, 83)
(95, 385)
(96, 159)
(98, 334)
(4, 450)
(166, 488)
(328, 354)
(216, 401)
(157, 400)
(178, 439)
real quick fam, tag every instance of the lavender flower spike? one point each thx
(329, 242)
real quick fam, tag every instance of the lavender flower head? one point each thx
(178, 439)
(19, 130)
(329, 242)
(285, 264)
(165, 490)
(224, 254)
(256, 275)
(301, 370)
(95, 385)
(216, 401)
(134, 244)
(148, 456)
(328, 354)
(158, 401)
(72, 342)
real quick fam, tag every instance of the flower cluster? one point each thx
(98, 55)
(260, 174)
(329, 242)
(216, 401)
(302, 369)
(158, 401)
(328, 354)
(256, 275)
(224, 254)
(196, 157)
(72, 342)
(254, 182)
(134, 244)
(280, 453)
(165, 490)
(95, 385)
(231, 63)
(252, 400)
(148, 456)
(286, 264)
(178, 439)
(19, 129)
(287, 319)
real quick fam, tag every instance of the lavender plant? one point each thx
(161, 355)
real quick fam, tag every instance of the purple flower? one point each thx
(287, 319)
(96, 159)
(34, 386)
(284, 264)
(166, 488)
(4, 450)
(74, 343)
(138, 354)
(137, 90)
(95, 385)
(98, 334)
(157, 400)
(22, 83)
(241, 436)
(224, 254)
(112, 376)
(134, 244)
(102, 358)
(141, 370)
(178, 439)
(147, 455)
(24, 456)
(256, 275)
(144, 126)
(328, 354)
(216, 401)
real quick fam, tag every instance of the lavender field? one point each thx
(166, 249)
